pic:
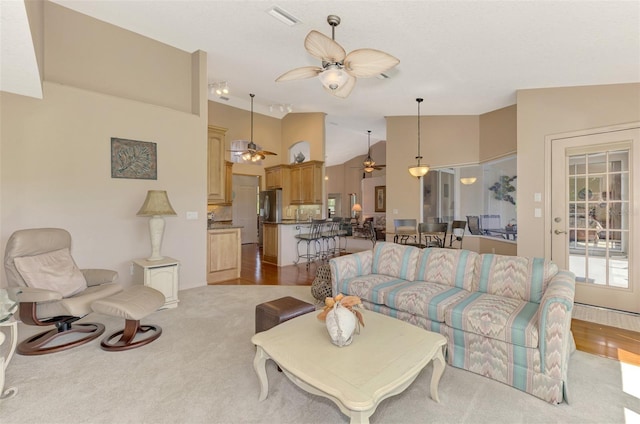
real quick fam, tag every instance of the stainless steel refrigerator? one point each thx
(270, 208)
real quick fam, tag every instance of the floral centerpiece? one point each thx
(342, 318)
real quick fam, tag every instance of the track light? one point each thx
(219, 88)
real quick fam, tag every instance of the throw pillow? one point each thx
(52, 271)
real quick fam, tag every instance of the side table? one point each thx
(161, 275)
(4, 361)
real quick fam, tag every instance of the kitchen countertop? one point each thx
(216, 226)
(288, 222)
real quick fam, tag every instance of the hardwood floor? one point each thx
(598, 339)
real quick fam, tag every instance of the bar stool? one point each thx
(313, 239)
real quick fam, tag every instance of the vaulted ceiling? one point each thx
(462, 57)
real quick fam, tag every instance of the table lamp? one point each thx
(357, 209)
(156, 205)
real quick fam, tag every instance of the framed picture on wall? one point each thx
(133, 159)
(380, 196)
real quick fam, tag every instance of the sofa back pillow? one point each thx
(516, 277)
(54, 270)
(349, 266)
(452, 267)
(395, 260)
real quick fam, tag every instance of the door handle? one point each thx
(557, 232)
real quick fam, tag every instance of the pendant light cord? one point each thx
(419, 100)
(252, 96)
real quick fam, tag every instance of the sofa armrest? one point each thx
(349, 266)
(554, 323)
(96, 277)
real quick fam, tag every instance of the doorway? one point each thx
(594, 215)
(245, 206)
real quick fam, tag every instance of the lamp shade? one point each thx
(333, 77)
(418, 170)
(156, 204)
(357, 208)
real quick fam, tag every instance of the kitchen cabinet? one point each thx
(216, 166)
(279, 177)
(306, 183)
(228, 182)
(270, 243)
(224, 254)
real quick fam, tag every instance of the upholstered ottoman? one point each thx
(132, 304)
(274, 312)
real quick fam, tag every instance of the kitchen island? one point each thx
(280, 245)
(224, 252)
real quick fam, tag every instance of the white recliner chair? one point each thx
(52, 290)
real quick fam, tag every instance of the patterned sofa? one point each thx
(505, 317)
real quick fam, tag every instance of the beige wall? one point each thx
(55, 163)
(347, 178)
(498, 133)
(111, 60)
(548, 111)
(304, 126)
(445, 141)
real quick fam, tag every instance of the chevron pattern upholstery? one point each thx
(505, 317)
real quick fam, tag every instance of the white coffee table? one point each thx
(382, 361)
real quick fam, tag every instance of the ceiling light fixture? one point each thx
(281, 107)
(468, 180)
(333, 77)
(219, 88)
(419, 170)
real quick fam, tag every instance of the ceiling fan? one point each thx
(252, 153)
(339, 70)
(369, 165)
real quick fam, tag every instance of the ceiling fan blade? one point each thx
(344, 91)
(266, 152)
(324, 48)
(365, 63)
(300, 73)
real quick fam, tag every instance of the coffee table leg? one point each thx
(438, 369)
(259, 365)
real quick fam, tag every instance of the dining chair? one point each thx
(434, 234)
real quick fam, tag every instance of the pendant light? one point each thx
(419, 170)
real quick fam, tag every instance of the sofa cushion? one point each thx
(395, 260)
(372, 287)
(426, 299)
(515, 277)
(453, 267)
(496, 317)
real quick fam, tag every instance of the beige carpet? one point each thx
(200, 371)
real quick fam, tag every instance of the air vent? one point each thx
(283, 16)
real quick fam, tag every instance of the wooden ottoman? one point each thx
(274, 312)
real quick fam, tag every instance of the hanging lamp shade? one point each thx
(419, 170)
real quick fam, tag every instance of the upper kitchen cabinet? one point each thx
(218, 170)
(277, 177)
(306, 183)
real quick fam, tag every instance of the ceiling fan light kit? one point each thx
(369, 165)
(419, 170)
(339, 70)
(251, 153)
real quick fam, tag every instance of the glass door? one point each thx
(593, 219)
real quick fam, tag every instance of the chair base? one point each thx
(37, 345)
(131, 329)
